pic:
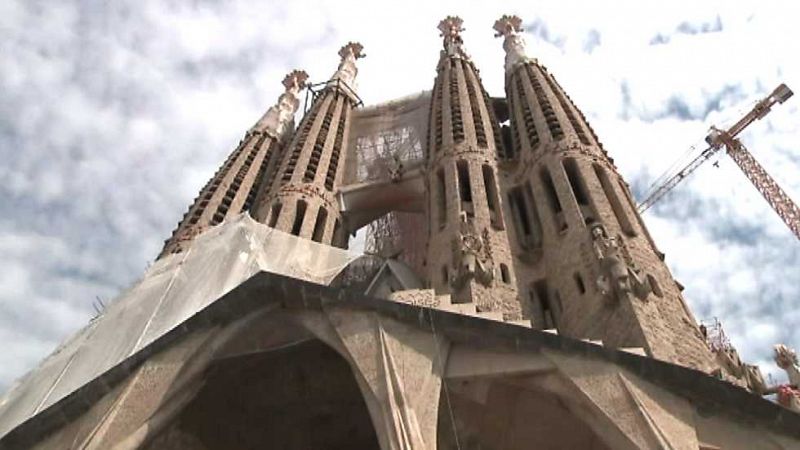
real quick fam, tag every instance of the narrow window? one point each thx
(616, 205)
(579, 282)
(553, 201)
(504, 275)
(491, 196)
(319, 225)
(579, 190)
(536, 223)
(520, 214)
(464, 187)
(336, 239)
(575, 181)
(276, 210)
(441, 198)
(299, 215)
(542, 300)
(445, 276)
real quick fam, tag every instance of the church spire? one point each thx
(347, 70)
(510, 27)
(451, 28)
(301, 199)
(233, 188)
(279, 118)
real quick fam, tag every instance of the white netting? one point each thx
(171, 291)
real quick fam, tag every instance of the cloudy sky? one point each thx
(114, 114)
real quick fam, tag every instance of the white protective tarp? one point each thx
(171, 291)
(383, 134)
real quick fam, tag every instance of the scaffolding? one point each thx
(715, 335)
(386, 140)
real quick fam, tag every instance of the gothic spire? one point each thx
(278, 118)
(347, 70)
(510, 27)
(451, 28)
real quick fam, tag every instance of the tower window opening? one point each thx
(491, 196)
(579, 189)
(336, 239)
(547, 108)
(465, 188)
(299, 215)
(519, 212)
(541, 300)
(455, 105)
(445, 276)
(553, 201)
(576, 125)
(579, 282)
(616, 205)
(504, 274)
(333, 165)
(273, 217)
(319, 225)
(441, 198)
(477, 114)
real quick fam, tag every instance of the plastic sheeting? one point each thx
(171, 291)
(384, 133)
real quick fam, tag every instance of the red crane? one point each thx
(717, 139)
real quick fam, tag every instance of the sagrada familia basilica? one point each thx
(510, 297)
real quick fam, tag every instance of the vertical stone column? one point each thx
(468, 252)
(233, 188)
(584, 259)
(301, 198)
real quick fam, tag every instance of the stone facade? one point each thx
(235, 186)
(468, 252)
(531, 221)
(584, 259)
(300, 198)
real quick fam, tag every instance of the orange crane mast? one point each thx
(764, 183)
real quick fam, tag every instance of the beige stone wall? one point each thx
(551, 136)
(300, 198)
(468, 255)
(231, 191)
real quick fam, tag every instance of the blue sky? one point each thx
(114, 114)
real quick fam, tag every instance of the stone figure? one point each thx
(617, 279)
(510, 27)
(471, 256)
(279, 117)
(347, 70)
(788, 394)
(451, 28)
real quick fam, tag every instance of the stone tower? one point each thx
(584, 258)
(300, 199)
(468, 252)
(235, 185)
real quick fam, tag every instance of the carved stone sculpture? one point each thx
(451, 28)
(788, 394)
(347, 70)
(617, 278)
(510, 27)
(278, 118)
(471, 256)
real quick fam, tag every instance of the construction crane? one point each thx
(716, 140)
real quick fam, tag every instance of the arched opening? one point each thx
(493, 414)
(299, 397)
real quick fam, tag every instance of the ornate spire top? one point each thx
(278, 117)
(347, 70)
(451, 28)
(510, 27)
